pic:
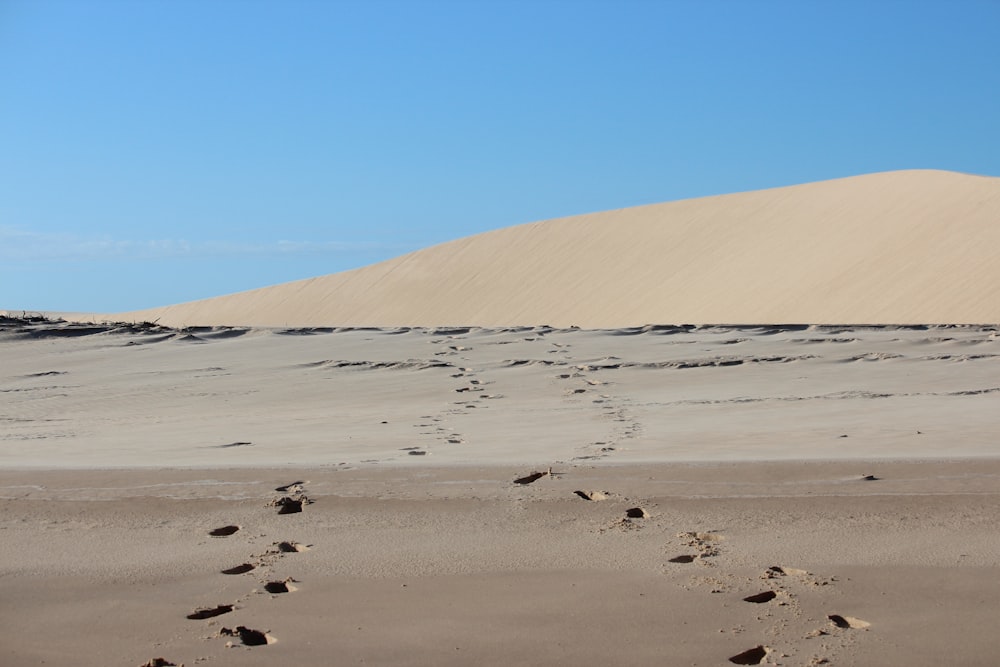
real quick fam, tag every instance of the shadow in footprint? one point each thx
(294, 485)
(636, 513)
(291, 547)
(276, 587)
(225, 531)
(682, 559)
(240, 569)
(247, 636)
(761, 598)
(753, 656)
(212, 612)
(528, 479)
(288, 506)
(848, 622)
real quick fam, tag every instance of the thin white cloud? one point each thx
(24, 245)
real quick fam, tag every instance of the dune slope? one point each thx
(896, 247)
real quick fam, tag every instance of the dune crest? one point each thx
(896, 247)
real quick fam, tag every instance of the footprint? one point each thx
(636, 513)
(291, 547)
(761, 598)
(158, 662)
(276, 587)
(210, 612)
(752, 656)
(592, 495)
(294, 487)
(686, 558)
(247, 636)
(848, 622)
(240, 569)
(528, 479)
(225, 531)
(288, 505)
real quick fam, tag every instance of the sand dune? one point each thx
(894, 247)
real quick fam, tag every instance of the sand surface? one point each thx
(861, 461)
(894, 247)
(459, 566)
(92, 396)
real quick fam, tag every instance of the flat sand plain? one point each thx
(852, 472)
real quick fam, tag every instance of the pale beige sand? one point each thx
(895, 247)
(120, 449)
(530, 397)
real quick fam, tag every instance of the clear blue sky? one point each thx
(154, 152)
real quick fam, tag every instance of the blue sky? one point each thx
(157, 152)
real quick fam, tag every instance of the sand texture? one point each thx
(462, 566)
(466, 496)
(887, 248)
(86, 396)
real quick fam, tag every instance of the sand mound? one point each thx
(895, 247)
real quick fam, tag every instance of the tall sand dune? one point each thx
(897, 247)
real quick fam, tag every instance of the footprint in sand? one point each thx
(289, 505)
(761, 598)
(210, 612)
(528, 479)
(248, 636)
(291, 547)
(848, 622)
(240, 569)
(595, 496)
(225, 531)
(278, 587)
(294, 487)
(778, 571)
(752, 656)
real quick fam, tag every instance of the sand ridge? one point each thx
(898, 247)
